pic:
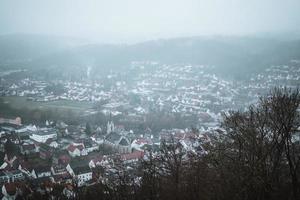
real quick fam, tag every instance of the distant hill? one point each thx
(22, 48)
(231, 56)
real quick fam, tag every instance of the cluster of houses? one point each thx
(178, 89)
(36, 158)
(55, 155)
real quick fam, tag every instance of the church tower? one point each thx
(110, 126)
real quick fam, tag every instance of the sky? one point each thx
(138, 20)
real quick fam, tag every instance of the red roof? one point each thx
(72, 147)
(10, 188)
(65, 158)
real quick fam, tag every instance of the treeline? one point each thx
(40, 115)
(257, 158)
(37, 115)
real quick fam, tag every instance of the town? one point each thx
(36, 158)
(193, 92)
(39, 156)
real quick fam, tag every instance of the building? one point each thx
(77, 150)
(41, 171)
(118, 142)
(27, 148)
(61, 158)
(11, 176)
(110, 127)
(81, 174)
(132, 157)
(16, 121)
(46, 152)
(41, 135)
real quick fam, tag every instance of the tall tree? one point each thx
(260, 149)
(88, 129)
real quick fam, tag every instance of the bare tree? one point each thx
(261, 146)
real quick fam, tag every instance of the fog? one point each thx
(138, 20)
(150, 99)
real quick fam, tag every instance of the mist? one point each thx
(150, 99)
(130, 21)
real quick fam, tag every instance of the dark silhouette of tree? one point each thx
(11, 148)
(88, 129)
(171, 161)
(258, 158)
(150, 182)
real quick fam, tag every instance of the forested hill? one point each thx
(232, 56)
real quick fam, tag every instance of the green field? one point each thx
(22, 102)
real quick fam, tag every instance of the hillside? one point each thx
(231, 56)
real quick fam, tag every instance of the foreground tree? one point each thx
(259, 156)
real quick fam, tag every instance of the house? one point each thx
(132, 157)
(118, 142)
(77, 149)
(61, 158)
(62, 178)
(174, 135)
(99, 161)
(58, 170)
(41, 135)
(46, 152)
(90, 145)
(27, 148)
(60, 174)
(51, 143)
(24, 137)
(139, 143)
(41, 171)
(9, 162)
(81, 174)
(11, 176)
(27, 130)
(16, 121)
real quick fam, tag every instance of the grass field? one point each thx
(21, 102)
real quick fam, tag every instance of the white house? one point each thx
(40, 172)
(81, 174)
(43, 134)
(77, 150)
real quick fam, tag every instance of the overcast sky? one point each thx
(135, 20)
